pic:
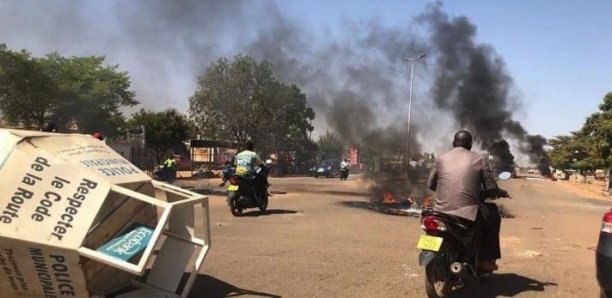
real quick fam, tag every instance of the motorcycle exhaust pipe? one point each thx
(456, 268)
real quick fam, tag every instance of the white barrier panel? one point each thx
(77, 219)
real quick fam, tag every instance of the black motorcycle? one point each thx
(450, 252)
(344, 172)
(159, 173)
(242, 194)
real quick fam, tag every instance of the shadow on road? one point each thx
(269, 212)
(208, 286)
(395, 210)
(505, 285)
(209, 191)
(333, 192)
(356, 204)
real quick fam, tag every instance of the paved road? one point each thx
(319, 240)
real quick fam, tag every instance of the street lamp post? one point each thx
(412, 60)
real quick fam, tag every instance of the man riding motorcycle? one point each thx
(460, 179)
(345, 164)
(246, 163)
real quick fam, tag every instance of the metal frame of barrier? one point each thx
(177, 224)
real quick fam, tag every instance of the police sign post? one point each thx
(77, 220)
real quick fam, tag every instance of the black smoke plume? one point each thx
(354, 79)
(471, 82)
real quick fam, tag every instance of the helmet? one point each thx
(249, 145)
(98, 135)
(463, 138)
(48, 126)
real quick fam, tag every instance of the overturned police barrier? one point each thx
(79, 220)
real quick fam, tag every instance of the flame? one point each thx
(389, 198)
(428, 202)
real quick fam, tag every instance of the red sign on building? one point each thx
(353, 156)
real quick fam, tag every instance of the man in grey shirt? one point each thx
(460, 179)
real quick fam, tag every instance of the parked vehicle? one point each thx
(449, 251)
(603, 258)
(241, 194)
(328, 168)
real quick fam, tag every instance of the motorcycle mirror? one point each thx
(505, 175)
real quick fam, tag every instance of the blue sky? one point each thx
(558, 52)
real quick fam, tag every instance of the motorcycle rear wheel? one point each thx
(438, 283)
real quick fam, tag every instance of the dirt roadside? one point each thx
(595, 190)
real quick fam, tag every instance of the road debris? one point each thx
(529, 254)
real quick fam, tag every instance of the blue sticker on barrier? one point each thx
(129, 244)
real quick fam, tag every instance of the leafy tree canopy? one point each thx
(589, 148)
(330, 146)
(62, 89)
(242, 99)
(163, 130)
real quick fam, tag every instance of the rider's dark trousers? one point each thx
(489, 218)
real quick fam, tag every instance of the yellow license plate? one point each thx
(232, 187)
(430, 243)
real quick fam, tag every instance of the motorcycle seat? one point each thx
(451, 219)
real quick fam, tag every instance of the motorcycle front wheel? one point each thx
(264, 204)
(438, 282)
(236, 211)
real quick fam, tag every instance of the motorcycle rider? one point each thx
(345, 164)
(460, 177)
(170, 168)
(246, 163)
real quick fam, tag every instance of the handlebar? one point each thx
(503, 194)
(494, 194)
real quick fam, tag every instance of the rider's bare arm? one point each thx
(490, 188)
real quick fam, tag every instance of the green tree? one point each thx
(306, 154)
(242, 99)
(28, 91)
(61, 89)
(90, 92)
(330, 146)
(598, 129)
(591, 147)
(572, 152)
(225, 104)
(163, 130)
(286, 123)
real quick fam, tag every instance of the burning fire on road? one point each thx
(399, 197)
